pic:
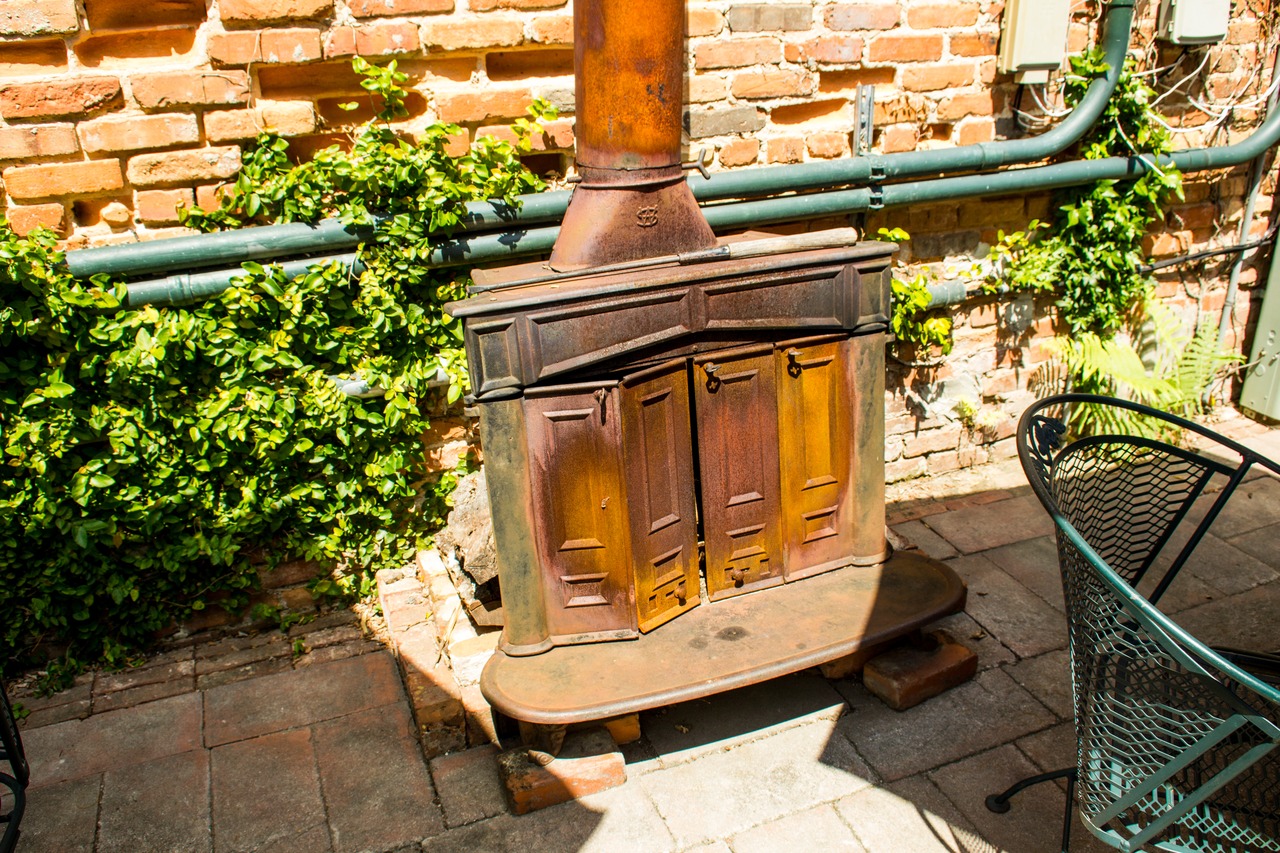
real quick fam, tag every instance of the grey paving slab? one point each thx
(1015, 615)
(1051, 749)
(1263, 543)
(158, 806)
(377, 791)
(1034, 564)
(61, 818)
(1255, 504)
(921, 536)
(723, 793)
(1248, 620)
(76, 748)
(1048, 678)
(285, 700)
(909, 815)
(266, 795)
(989, 710)
(968, 633)
(1219, 564)
(620, 819)
(819, 828)
(468, 785)
(487, 836)
(978, 528)
(691, 729)
(1034, 823)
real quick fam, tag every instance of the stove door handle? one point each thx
(711, 369)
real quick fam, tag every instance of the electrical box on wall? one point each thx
(1033, 38)
(1194, 21)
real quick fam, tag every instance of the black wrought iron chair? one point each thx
(1176, 741)
(14, 783)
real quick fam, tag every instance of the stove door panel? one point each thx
(738, 444)
(658, 454)
(580, 500)
(816, 457)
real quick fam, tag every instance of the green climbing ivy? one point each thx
(151, 455)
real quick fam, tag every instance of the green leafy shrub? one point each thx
(152, 455)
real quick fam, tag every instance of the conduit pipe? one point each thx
(541, 208)
(485, 248)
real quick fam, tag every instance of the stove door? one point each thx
(580, 503)
(657, 445)
(737, 416)
(815, 445)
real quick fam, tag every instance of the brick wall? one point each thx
(114, 112)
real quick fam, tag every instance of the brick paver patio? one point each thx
(243, 746)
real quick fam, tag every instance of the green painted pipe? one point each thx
(486, 248)
(185, 288)
(541, 208)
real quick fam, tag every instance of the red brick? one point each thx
(956, 107)
(231, 125)
(933, 77)
(160, 207)
(482, 106)
(288, 82)
(288, 118)
(898, 138)
(263, 11)
(973, 44)
(934, 441)
(469, 34)
(905, 48)
(703, 22)
(138, 133)
(845, 79)
(828, 144)
(786, 150)
(25, 219)
(209, 197)
(18, 58)
(137, 49)
(38, 17)
(978, 130)
(828, 110)
(521, 64)
(1242, 32)
(82, 97)
(184, 167)
(290, 45)
(552, 29)
(29, 142)
(589, 763)
(907, 676)
(739, 53)
(739, 152)
(771, 83)
(556, 136)
(706, 88)
(377, 8)
(382, 39)
(63, 179)
(188, 89)
(942, 15)
(831, 48)
(235, 48)
(340, 41)
(490, 5)
(1193, 216)
(132, 15)
(863, 16)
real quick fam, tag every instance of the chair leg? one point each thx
(999, 803)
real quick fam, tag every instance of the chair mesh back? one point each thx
(1156, 725)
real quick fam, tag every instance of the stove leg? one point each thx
(544, 742)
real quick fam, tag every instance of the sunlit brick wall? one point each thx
(113, 113)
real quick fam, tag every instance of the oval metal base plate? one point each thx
(728, 644)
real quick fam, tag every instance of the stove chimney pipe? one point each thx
(632, 201)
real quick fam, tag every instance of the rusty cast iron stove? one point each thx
(684, 439)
